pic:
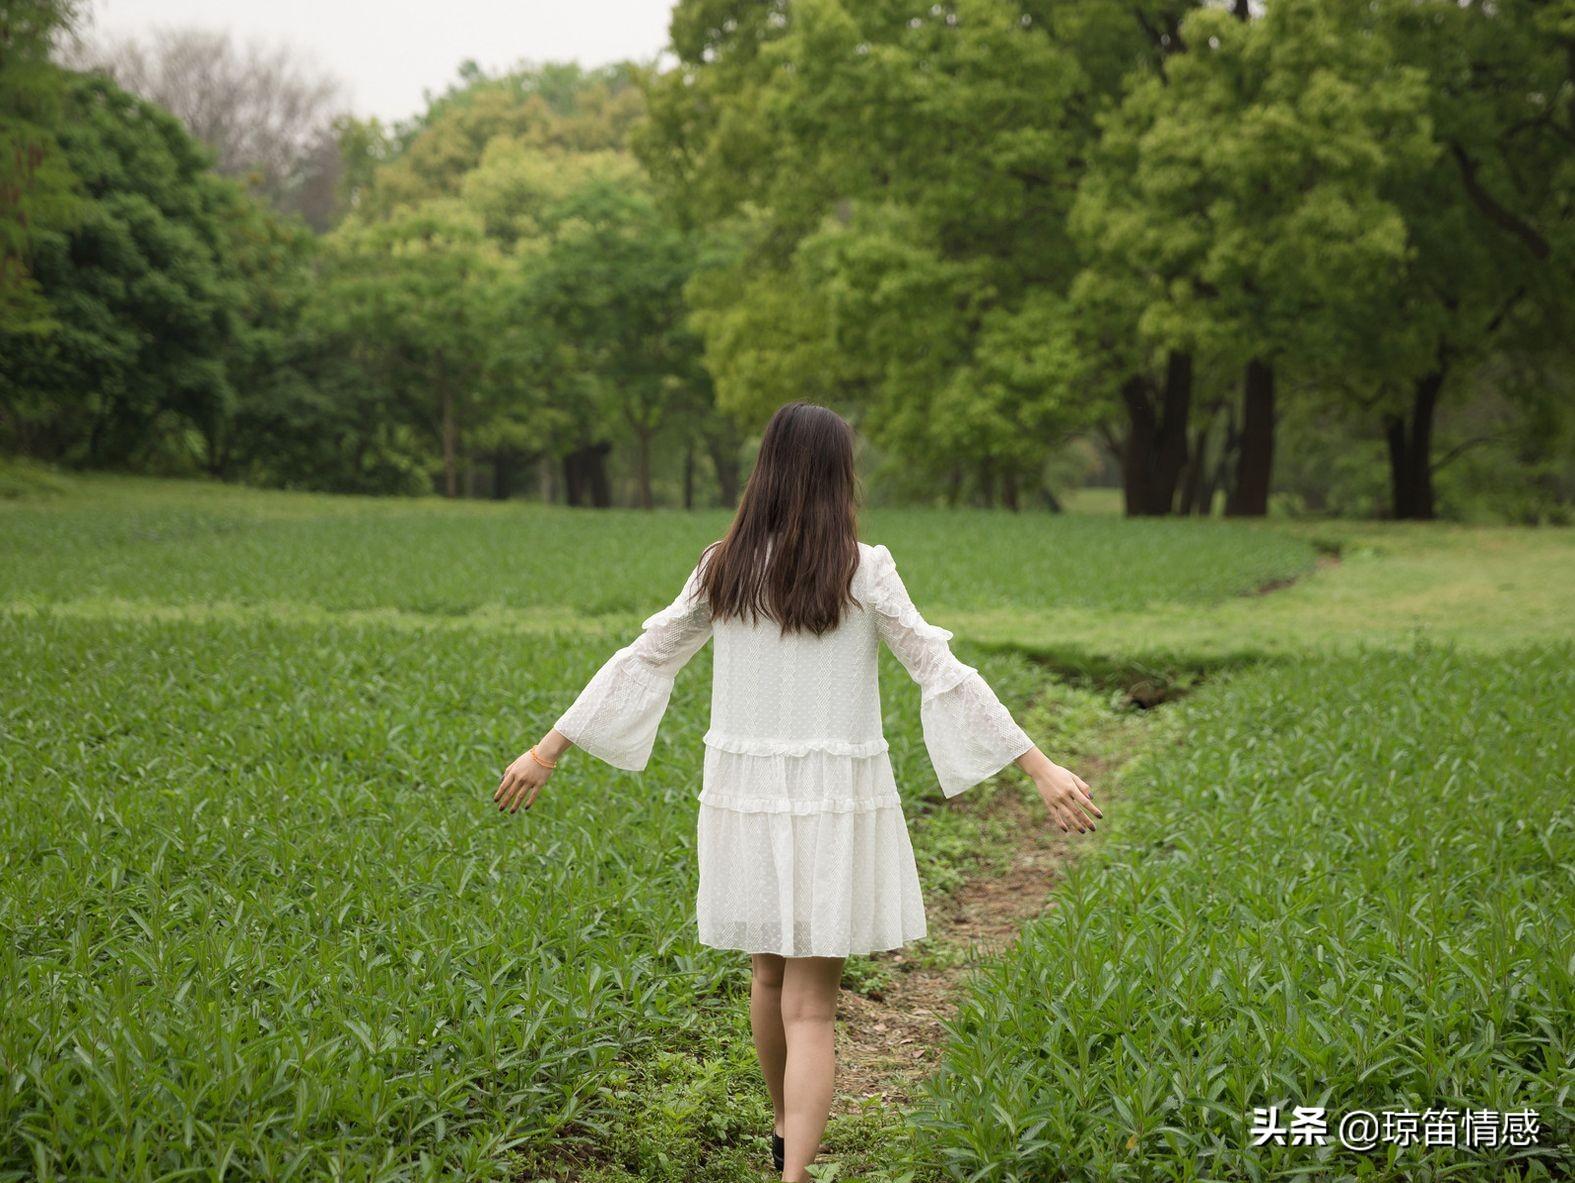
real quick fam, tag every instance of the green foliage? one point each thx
(1493, 259)
(555, 109)
(989, 231)
(38, 192)
(898, 178)
(766, 333)
(568, 329)
(416, 295)
(982, 226)
(1237, 208)
(270, 257)
(608, 290)
(21, 478)
(139, 287)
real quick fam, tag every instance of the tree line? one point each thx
(1313, 246)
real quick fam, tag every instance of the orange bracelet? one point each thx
(540, 761)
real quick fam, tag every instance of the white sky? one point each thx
(387, 52)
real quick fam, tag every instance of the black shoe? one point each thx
(778, 1150)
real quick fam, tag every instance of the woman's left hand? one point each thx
(521, 782)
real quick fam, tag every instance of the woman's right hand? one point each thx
(1066, 795)
(522, 780)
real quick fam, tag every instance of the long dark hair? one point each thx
(800, 499)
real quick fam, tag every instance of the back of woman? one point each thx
(799, 692)
(798, 802)
(803, 846)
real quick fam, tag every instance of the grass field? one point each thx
(262, 923)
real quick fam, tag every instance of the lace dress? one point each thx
(802, 845)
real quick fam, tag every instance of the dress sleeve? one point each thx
(616, 716)
(969, 734)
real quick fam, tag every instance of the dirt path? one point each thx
(886, 1044)
(1322, 563)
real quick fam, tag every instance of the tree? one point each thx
(608, 285)
(270, 257)
(588, 349)
(907, 171)
(557, 110)
(38, 191)
(519, 193)
(142, 296)
(1238, 211)
(1490, 217)
(417, 292)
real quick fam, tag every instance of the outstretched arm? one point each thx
(616, 715)
(970, 735)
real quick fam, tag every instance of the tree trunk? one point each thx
(450, 446)
(1224, 464)
(1009, 489)
(722, 445)
(689, 473)
(1255, 462)
(1156, 439)
(573, 492)
(601, 490)
(1411, 452)
(95, 443)
(1195, 476)
(642, 468)
(1173, 428)
(987, 482)
(954, 487)
(1137, 451)
(213, 459)
(585, 476)
(502, 471)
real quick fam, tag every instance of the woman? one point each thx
(802, 844)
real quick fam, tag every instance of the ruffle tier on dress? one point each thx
(805, 850)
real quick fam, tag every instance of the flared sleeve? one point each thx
(969, 734)
(615, 718)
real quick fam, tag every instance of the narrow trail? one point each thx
(887, 1043)
(1321, 564)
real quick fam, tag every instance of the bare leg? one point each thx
(765, 1020)
(809, 1012)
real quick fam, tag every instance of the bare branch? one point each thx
(1498, 214)
(1460, 449)
(264, 111)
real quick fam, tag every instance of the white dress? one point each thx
(802, 842)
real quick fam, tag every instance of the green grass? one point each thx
(24, 479)
(129, 547)
(1337, 884)
(260, 919)
(1486, 589)
(258, 910)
